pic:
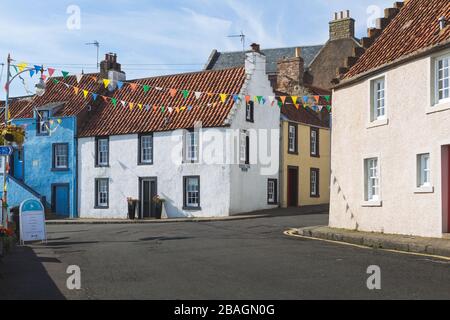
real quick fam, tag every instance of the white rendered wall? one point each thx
(411, 130)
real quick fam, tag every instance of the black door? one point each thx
(292, 191)
(148, 191)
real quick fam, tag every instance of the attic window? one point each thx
(42, 121)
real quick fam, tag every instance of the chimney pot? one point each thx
(255, 47)
(298, 52)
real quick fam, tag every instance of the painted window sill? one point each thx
(192, 208)
(377, 203)
(377, 123)
(60, 169)
(419, 190)
(442, 106)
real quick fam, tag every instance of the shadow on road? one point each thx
(23, 277)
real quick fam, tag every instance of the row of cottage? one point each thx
(384, 166)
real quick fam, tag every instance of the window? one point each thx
(372, 179)
(443, 79)
(423, 170)
(191, 192)
(249, 111)
(272, 194)
(244, 147)
(292, 138)
(60, 156)
(314, 142)
(145, 154)
(101, 193)
(378, 110)
(42, 122)
(191, 147)
(314, 182)
(102, 152)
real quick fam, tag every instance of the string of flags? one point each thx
(314, 102)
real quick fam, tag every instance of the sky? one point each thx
(160, 37)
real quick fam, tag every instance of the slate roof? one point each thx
(414, 28)
(223, 60)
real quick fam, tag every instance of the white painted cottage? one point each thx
(390, 156)
(175, 136)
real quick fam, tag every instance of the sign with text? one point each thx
(32, 221)
(6, 150)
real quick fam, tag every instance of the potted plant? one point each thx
(132, 203)
(159, 202)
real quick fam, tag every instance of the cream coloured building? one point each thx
(390, 150)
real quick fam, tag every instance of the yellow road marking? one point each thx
(291, 233)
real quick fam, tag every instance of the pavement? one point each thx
(238, 259)
(419, 245)
(243, 216)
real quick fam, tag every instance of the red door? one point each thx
(448, 188)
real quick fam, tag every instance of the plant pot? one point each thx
(132, 210)
(158, 210)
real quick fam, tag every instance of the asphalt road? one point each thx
(245, 259)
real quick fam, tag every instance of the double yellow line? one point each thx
(292, 233)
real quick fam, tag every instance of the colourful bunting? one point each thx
(37, 68)
(197, 95)
(146, 88)
(223, 97)
(31, 73)
(22, 66)
(173, 92)
(327, 98)
(106, 82)
(79, 76)
(317, 98)
(51, 71)
(114, 102)
(85, 93)
(65, 74)
(75, 89)
(119, 84)
(133, 86)
(131, 106)
(94, 96)
(294, 99)
(185, 94)
(283, 99)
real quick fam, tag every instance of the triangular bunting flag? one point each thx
(223, 97)
(154, 108)
(21, 66)
(177, 109)
(51, 71)
(170, 109)
(94, 96)
(283, 99)
(189, 108)
(147, 107)
(146, 88)
(119, 85)
(133, 86)
(280, 104)
(236, 98)
(327, 98)
(106, 82)
(65, 74)
(94, 78)
(185, 93)
(247, 99)
(79, 76)
(317, 98)
(271, 100)
(140, 106)
(37, 68)
(162, 109)
(183, 108)
(320, 108)
(197, 95)
(114, 102)
(124, 103)
(31, 73)
(106, 99)
(159, 89)
(294, 99)
(329, 108)
(131, 105)
(173, 92)
(259, 98)
(296, 106)
(76, 89)
(85, 93)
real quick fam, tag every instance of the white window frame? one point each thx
(43, 122)
(272, 191)
(58, 157)
(243, 134)
(191, 194)
(372, 181)
(378, 97)
(146, 148)
(424, 173)
(314, 191)
(102, 193)
(191, 146)
(102, 153)
(292, 138)
(313, 142)
(437, 60)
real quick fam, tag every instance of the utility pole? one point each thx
(6, 162)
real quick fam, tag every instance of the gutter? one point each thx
(410, 57)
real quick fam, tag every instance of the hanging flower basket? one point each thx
(12, 134)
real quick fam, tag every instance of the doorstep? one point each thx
(149, 221)
(421, 245)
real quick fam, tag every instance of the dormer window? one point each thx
(42, 122)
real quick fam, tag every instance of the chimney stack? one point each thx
(109, 64)
(290, 72)
(342, 26)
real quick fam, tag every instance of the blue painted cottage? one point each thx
(45, 168)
